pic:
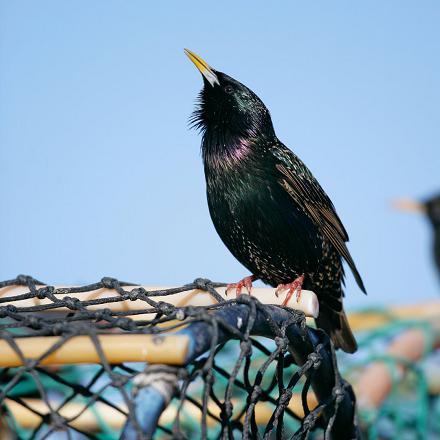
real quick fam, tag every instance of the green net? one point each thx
(410, 410)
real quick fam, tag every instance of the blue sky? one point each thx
(100, 175)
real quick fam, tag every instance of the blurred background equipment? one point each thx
(396, 374)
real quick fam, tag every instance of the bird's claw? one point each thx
(294, 286)
(245, 282)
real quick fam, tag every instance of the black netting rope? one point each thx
(221, 390)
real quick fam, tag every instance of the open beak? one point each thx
(203, 68)
(409, 205)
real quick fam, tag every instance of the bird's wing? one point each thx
(299, 182)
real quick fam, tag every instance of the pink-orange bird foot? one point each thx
(245, 282)
(294, 286)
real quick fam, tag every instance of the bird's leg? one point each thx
(245, 282)
(294, 286)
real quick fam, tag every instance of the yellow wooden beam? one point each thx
(88, 420)
(307, 303)
(154, 349)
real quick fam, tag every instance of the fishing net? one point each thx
(76, 364)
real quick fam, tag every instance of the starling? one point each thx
(265, 204)
(431, 208)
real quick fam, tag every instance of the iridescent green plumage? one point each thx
(266, 205)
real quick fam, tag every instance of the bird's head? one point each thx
(430, 207)
(227, 108)
(433, 210)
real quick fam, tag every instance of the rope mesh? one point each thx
(249, 370)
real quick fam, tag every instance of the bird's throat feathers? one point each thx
(223, 150)
(228, 139)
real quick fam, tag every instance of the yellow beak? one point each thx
(409, 205)
(203, 68)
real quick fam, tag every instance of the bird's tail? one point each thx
(335, 324)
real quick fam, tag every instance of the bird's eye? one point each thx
(229, 89)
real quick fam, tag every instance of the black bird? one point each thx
(431, 208)
(266, 205)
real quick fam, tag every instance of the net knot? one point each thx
(208, 377)
(309, 421)
(124, 323)
(165, 308)
(338, 393)
(33, 322)
(246, 347)
(44, 292)
(256, 392)
(71, 303)
(281, 343)
(134, 294)
(24, 280)
(11, 309)
(226, 412)
(316, 359)
(203, 284)
(285, 397)
(57, 422)
(109, 283)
